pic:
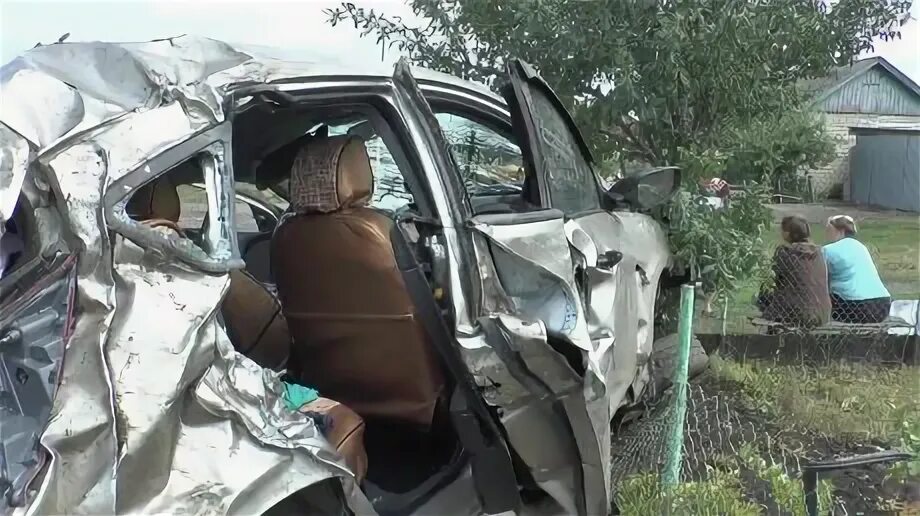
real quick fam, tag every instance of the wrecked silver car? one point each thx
(248, 286)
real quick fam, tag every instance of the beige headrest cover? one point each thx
(329, 174)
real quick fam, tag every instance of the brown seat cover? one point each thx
(356, 338)
(255, 323)
(157, 199)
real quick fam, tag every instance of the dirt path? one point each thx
(819, 213)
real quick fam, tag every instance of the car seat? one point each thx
(257, 329)
(355, 333)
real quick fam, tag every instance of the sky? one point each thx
(299, 27)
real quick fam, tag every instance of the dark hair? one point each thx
(797, 228)
(844, 224)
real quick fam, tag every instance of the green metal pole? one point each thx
(671, 475)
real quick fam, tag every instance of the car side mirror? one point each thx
(648, 189)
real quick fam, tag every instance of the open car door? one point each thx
(617, 255)
(552, 434)
(613, 259)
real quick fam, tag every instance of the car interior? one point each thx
(349, 308)
(14, 240)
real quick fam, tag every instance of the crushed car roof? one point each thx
(55, 92)
(98, 80)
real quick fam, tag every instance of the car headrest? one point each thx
(329, 174)
(158, 199)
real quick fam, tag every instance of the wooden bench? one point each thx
(836, 328)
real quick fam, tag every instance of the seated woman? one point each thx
(799, 296)
(857, 292)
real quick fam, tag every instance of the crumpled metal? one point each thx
(155, 412)
(14, 161)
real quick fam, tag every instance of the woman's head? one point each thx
(795, 229)
(840, 226)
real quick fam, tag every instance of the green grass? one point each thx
(895, 246)
(842, 400)
(722, 492)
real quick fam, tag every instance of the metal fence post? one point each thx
(671, 475)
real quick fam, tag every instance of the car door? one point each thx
(575, 266)
(548, 423)
(36, 320)
(615, 254)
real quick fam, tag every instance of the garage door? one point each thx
(885, 170)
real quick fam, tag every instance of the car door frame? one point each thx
(491, 461)
(520, 72)
(35, 331)
(533, 364)
(214, 142)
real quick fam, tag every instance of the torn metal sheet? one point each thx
(148, 367)
(544, 287)
(228, 409)
(36, 105)
(14, 161)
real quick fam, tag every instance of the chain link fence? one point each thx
(738, 460)
(816, 358)
(817, 264)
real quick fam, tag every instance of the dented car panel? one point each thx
(531, 256)
(558, 410)
(131, 385)
(552, 311)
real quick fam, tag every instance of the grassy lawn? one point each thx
(894, 243)
(722, 493)
(842, 401)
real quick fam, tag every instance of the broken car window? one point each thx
(196, 222)
(489, 163)
(571, 183)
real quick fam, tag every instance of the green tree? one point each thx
(679, 70)
(685, 82)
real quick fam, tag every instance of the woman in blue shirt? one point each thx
(857, 292)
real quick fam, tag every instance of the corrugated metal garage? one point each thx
(874, 111)
(885, 169)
